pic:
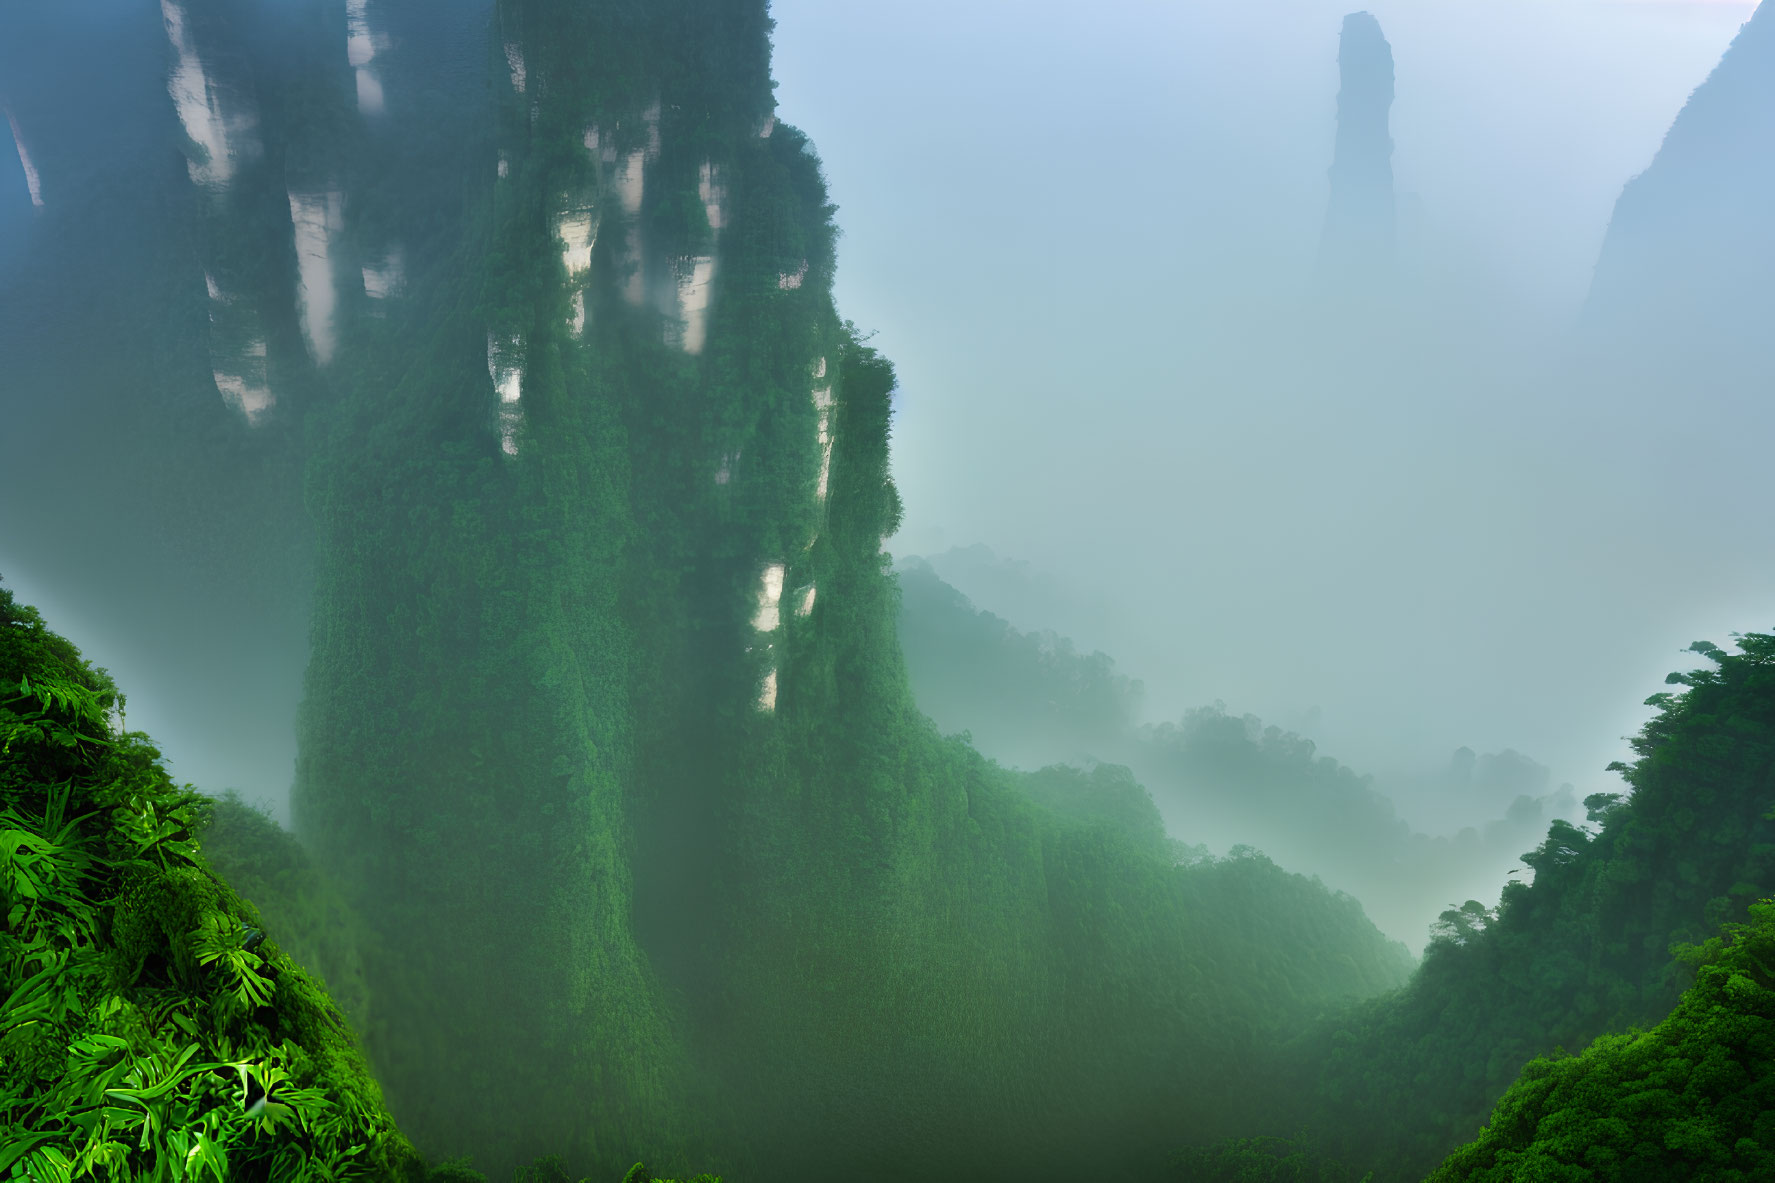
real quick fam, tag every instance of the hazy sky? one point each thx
(1082, 233)
(1078, 230)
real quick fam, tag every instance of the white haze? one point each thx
(1084, 234)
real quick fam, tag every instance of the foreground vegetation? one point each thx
(155, 1028)
(152, 1028)
(1589, 948)
(611, 851)
(1692, 1098)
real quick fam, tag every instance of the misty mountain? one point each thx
(1026, 698)
(446, 407)
(1027, 597)
(1690, 248)
(1356, 253)
(1595, 944)
(1221, 780)
(526, 362)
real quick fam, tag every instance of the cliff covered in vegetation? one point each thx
(622, 834)
(508, 329)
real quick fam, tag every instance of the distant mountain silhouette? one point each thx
(1689, 251)
(1357, 248)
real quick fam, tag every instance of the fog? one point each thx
(1440, 517)
(1087, 237)
(1045, 684)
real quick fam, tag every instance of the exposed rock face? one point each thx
(1690, 248)
(33, 179)
(149, 327)
(1357, 248)
(567, 378)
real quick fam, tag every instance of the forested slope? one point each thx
(1587, 948)
(1693, 1098)
(605, 734)
(1221, 779)
(150, 1029)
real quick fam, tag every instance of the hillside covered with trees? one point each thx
(495, 375)
(1223, 780)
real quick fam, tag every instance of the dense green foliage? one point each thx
(637, 911)
(314, 924)
(1583, 950)
(1693, 1098)
(616, 851)
(143, 1009)
(1259, 1160)
(1027, 698)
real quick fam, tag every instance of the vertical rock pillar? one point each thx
(1357, 250)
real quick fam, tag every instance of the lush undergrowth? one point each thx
(320, 931)
(621, 831)
(152, 1029)
(156, 1027)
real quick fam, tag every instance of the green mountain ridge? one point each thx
(1031, 698)
(1693, 1098)
(1587, 949)
(617, 826)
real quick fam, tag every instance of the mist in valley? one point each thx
(1450, 512)
(1455, 498)
(1078, 622)
(1397, 517)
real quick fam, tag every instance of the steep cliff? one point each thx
(605, 731)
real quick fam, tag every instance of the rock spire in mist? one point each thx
(1359, 220)
(1691, 246)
